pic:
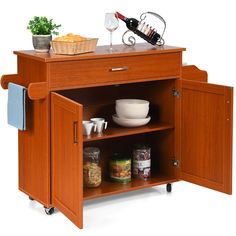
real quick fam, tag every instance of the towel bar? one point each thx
(14, 78)
(35, 91)
(38, 90)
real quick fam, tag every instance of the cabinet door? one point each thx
(67, 161)
(206, 135)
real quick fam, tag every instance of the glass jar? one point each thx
(142, 162)
(92, 174)
(120, 168)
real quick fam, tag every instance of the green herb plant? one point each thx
(42, 26)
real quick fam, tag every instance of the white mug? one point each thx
(100, 123)
(88, 126)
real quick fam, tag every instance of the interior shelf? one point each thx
(117, 131)
(109, 188)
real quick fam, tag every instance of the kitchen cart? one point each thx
(190, 132)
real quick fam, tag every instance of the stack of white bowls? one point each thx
(131, 112)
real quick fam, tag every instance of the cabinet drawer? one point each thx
(115, 70)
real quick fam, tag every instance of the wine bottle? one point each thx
(140, 28)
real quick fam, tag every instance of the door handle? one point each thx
(75, 132)
(115, 69)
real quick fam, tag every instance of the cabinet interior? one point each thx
(159, 134)
(162, 155)
(100, 101)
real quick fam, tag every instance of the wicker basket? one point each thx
(73, 48)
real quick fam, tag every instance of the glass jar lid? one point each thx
(91, 154)
(91, 151)
(141, 147)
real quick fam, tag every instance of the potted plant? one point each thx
(42, 30)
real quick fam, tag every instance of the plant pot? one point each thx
(41, 43)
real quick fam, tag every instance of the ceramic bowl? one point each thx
(130, 122)
(132, 108)
(132, 101)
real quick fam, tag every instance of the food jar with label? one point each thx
(142, 162)
(120, 168)
(91, 170)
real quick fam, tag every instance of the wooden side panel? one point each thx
(206, 135)
(191, 72)
(67, 159)
(34, 143)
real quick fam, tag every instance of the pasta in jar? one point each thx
(92, 174)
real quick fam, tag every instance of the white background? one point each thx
(207, 30)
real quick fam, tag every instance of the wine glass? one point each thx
(111, 24)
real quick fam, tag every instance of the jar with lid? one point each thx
(92, 174)
(142, 162)
(120, 168)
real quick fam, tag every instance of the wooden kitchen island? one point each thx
(190, 132)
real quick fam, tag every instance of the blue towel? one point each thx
(16, 107)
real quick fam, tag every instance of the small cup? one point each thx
(88, 127)
(100, 124)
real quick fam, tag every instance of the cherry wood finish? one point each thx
(117, 131)
(109, 188)
(34, 150)
(100, 101)
(5, 79)
(34, 143)
(193, 127)
(206, 131)
(162, 150)
(67, 158)
(191, 72)
(37, 91)
(102, 52)
(107, 71)
(177, 122)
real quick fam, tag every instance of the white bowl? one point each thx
(132, 108)
(132, 111)
(132, 101)
(130, 122)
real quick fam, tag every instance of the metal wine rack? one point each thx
(131, 40)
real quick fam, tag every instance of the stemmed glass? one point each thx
(111, 24)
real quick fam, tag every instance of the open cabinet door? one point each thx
(67, 161)
(206, 134)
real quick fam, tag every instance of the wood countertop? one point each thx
(101, 52)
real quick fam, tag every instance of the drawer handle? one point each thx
(75, 131)
(119, 69)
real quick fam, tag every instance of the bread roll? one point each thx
(70, 38)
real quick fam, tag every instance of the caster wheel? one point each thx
(31, 199)
(168, 188)
(49, 211)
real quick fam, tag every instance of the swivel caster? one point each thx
(168, 188)
(31, 199)
(49, 211)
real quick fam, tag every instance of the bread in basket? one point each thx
(72, 44)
